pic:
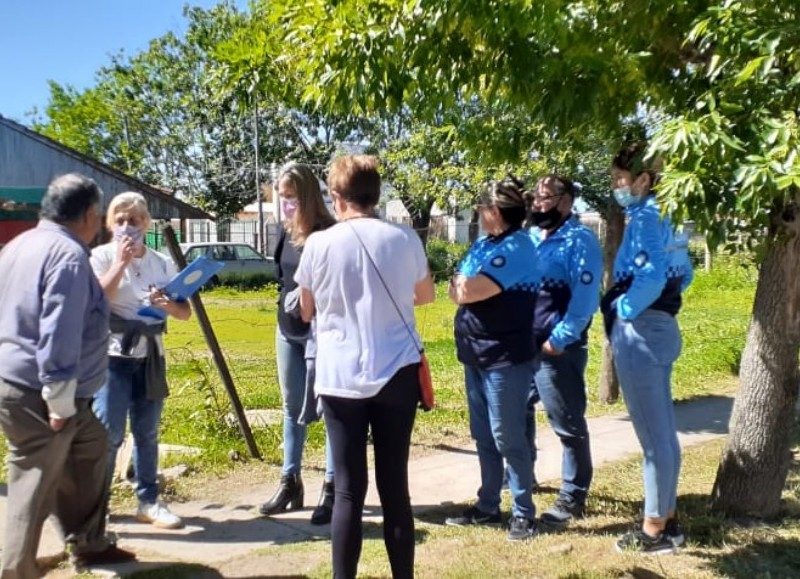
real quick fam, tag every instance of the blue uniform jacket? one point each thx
(652, 267)
(570, 269)
(496, 332)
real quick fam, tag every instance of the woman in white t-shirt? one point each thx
(367, 356)
(131, 276)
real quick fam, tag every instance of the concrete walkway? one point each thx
(218, 532)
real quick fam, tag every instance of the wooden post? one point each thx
(213, 345)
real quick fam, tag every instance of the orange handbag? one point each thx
(426, 397)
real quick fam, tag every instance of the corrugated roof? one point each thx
(185, 210)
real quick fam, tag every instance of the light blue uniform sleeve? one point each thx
(470, 264)
(585, 266)
(646, 248)
(509, 263)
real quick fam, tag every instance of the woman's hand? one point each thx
(179, 310)
(125, 250)
(547, 348)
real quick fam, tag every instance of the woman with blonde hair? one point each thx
(304, 212)
(132, 276)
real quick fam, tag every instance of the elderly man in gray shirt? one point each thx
(53, 342)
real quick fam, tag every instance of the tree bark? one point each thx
(615, 227)
(474, 227)
(420, 215)
(755, 462)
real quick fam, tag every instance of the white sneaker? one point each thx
(158, 515)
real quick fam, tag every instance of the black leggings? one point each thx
(390, 414)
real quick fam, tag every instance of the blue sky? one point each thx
(69, 40)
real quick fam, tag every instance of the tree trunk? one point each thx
(420, 215)
(474, 227)
(615, 227)
(421, 223)
(755, 462)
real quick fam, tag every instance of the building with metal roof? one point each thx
(29, 161)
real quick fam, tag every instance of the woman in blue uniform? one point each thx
(570, 268)
(494, 288)
(651, 271)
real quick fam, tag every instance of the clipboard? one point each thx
(185, 284)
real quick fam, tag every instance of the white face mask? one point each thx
(135, 233)
(625, 197)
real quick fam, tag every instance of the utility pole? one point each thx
(276, 201)
(261, 241)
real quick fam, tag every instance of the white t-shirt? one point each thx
(152, 269)
(361, 340)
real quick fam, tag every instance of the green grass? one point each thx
(716, 547)
(714, 322)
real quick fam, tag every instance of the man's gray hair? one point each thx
(69, 197)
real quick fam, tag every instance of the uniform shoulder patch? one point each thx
(641, 259)
(498, 261)
(587, 277)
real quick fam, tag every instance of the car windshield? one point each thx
(245, 252)
(194, 253)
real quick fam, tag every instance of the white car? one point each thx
(240, 259)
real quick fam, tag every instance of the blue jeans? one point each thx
(497, 406)
(121, 396)
(644, 351)
(530, 419)
(292, 379)
(562, 389)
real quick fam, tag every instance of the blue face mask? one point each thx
(625, 197)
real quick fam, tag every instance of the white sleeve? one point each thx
(303, 275)
(101, 259)
(60, 398)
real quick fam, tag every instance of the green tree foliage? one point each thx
(716, 84)
(169, 116)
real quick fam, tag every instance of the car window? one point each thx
(246, 252)
(195, 252)
(224, 253)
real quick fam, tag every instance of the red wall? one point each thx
(9, 229)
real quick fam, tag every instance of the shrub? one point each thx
(443, 257)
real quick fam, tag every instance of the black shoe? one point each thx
(640, 542)
(474, 516)
(521, 529)
(674, 532)
(324, 512)
(562, 512)
(288, 497)
(109, 556)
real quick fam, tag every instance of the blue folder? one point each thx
(185, 284)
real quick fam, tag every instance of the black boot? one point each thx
(324, 511)
(288, 497)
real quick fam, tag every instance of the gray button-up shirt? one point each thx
(53, 313)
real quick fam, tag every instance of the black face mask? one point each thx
(546, 219)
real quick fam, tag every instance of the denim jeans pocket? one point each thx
(660, 336)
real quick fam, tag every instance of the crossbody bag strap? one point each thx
(386, 287)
